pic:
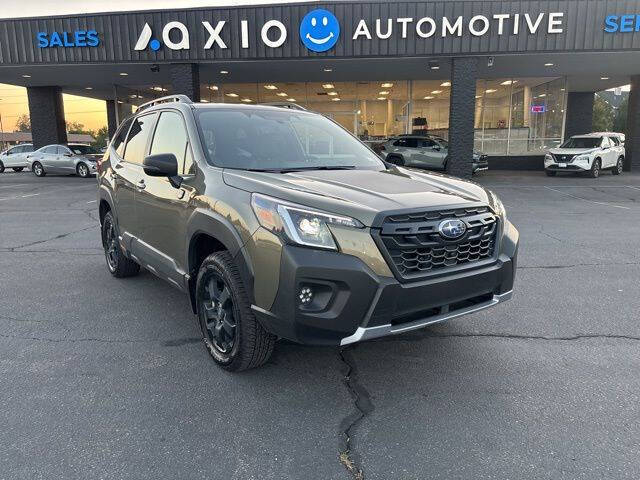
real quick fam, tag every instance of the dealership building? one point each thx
(506, 78)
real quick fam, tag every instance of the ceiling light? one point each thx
(159, 89)
(435, 92)
(604, 78)
(548, 64)
(204, 100)
(120, 102)
(123, 74)
(247, 100)
(270, 87)
(328, 69)
(542, 95)
(26, 76)
(383, 92)
(382, 98)
(88, 88)
(291, 99)
(213, 87)
(445, 84)
(508, 82)
(328, 85)
(224, 72)
(335, 99)
(428, 97)
(478, 96)
(233, 95)
(333, 94)
(491, 90)
(435, 67)
(387, 85)
(281, 94)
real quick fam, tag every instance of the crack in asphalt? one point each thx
(551, 267)
(569, 338)
(179, 342)
(364, 407)
(57, 237)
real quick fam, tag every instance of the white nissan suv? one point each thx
(589, 153)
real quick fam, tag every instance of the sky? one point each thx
(13, 102)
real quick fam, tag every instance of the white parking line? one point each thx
(587, 200)
(21, 196)
(635, 188)
(14, 185)
(92, 201)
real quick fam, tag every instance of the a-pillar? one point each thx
(632, 145)
(46, 112)
(185, 80)
(462, 109)
(579, 118)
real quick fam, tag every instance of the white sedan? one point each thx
(15, 157)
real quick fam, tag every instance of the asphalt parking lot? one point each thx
(106, 378)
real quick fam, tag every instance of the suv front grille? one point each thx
(414, 248)
(563, 158)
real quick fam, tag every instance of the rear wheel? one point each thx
(617, 170)
(38, 170)
(550, 173)
(18, 169)
(595, 168)
(82, 170)
(231, 333)
(119, 265)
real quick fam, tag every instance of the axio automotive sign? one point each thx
(320, 30)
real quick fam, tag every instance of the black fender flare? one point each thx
(215, 225)
(104, 194)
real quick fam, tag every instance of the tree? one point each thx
(101, 136)
(77, 127)
(23, 124)
(620, 119)
(602, 115)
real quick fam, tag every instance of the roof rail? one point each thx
(167, 99)
(289, 105)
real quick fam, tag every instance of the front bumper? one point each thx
(351, 303)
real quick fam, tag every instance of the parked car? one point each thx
(589, 153)
(279, 223)
(73, 158)
(15, 157)
(423, 151)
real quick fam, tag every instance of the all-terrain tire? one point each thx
(617, 170)
(252, 344)
(119, 265)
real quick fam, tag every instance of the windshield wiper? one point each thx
(302, 169)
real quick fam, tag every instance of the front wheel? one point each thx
(38, 170)
(1, 167)
(82, 170)
(595, 169)
(617, 170)
(231, 333)
(18, 169)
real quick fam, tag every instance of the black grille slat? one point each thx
(416, 249)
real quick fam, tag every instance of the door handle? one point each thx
(141, 185)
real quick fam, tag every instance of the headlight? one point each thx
(548, 157)
(497, 206)
(582, 158)
(298, 224)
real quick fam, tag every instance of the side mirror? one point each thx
(163, 165)
(68, 154)
(436, 148)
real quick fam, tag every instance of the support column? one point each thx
(579, 119)
(632, 144)
(112, 118)
(185, 80)
(462, 109)
(46, 112)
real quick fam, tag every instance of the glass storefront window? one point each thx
(512, 116)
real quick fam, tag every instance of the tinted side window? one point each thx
(428, 143)
(135, 150)
(121, 136)
(615, 141)
(171, 137)
(27, 148)
(62, 150)
(412, 142)
(400, 143)
(14, 150)
(50, 149)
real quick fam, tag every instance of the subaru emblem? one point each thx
(452, 229)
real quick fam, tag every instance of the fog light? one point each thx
(305, 295)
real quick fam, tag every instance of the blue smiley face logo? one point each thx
(319, 30)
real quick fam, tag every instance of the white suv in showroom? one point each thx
(589, 153)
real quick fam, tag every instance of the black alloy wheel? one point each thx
(1, 167)
(119, 265)
(595, 169)
(216, 306)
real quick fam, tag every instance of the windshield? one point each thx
(83, 149)
(582, 142)
(256, 139)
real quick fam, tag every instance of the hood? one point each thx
(361, 194)
(571, 151)
(94, 157)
